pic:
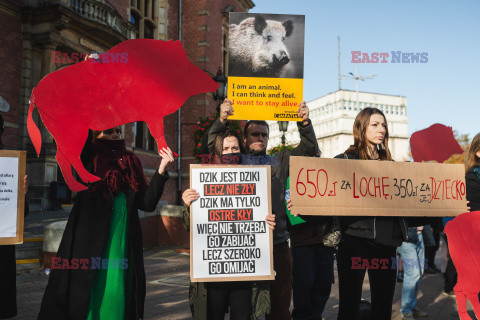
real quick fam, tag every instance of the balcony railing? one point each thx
(93, 10)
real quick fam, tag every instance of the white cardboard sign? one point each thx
(229, 237)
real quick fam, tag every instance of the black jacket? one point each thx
(68, 291)
(472, 181)
(8, 278)
(365, 227)
(280, 163)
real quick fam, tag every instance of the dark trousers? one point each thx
(237, 295)
(350, 278)
(450, 276)
(8, 278)
(430, 251)
(281, 287)
(312, 280)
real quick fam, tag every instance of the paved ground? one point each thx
(167, 284)
(167, 291)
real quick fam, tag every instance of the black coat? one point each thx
(365, 227)
(68, 291)
(280, 163)
(473, 190)
(8, 279)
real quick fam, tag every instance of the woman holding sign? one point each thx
(98, 272)
(8, 274)
(212, 300)
(368, 241)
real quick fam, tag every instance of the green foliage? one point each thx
(280, 148)
(464, 142)
(202, 127)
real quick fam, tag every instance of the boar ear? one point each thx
(260, 24)
(288, 25)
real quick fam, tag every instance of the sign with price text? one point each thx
(376, 188)
(229, 237)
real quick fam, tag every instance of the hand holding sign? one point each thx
(189, 196)
(226, 110)
(303, 112)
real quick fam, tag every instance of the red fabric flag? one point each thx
(137, 80)
(436, 143)
(463, 235)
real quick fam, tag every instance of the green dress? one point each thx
(110, 286)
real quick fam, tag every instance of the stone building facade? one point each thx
(333, 116)
(41, 36)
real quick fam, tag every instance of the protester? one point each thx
(412, 252)
(211, 300)
(256, 135)
(8, 274)
(365, 237)
(431, 250)
(103, 231)
(312, 266)
(472, 176)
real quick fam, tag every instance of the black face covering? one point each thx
(231, 158)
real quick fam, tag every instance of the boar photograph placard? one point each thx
(265, 69)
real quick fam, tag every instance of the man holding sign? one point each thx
(256, 134)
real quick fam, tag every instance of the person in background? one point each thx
(8, 273)
(472, 177)
(472, 174)
(312, 266)
(256, 136)
(412, 252)
(431, 250)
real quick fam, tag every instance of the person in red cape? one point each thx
(98, 272)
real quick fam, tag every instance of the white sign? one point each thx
(8, 196)
(229, 237)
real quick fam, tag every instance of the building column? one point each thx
(42, 170)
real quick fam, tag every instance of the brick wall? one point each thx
(150, 231)
(171, 231)
(10, 70)
(121, 6)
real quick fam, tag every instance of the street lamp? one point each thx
(357, 77)
(221, 92)
(283, 126)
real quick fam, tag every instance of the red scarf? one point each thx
(118, 168)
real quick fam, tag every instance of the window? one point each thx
(143, 138)
(143, 16)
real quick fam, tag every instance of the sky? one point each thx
(444, 90)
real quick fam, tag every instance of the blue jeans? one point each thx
(312, 280)
(413, 258)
